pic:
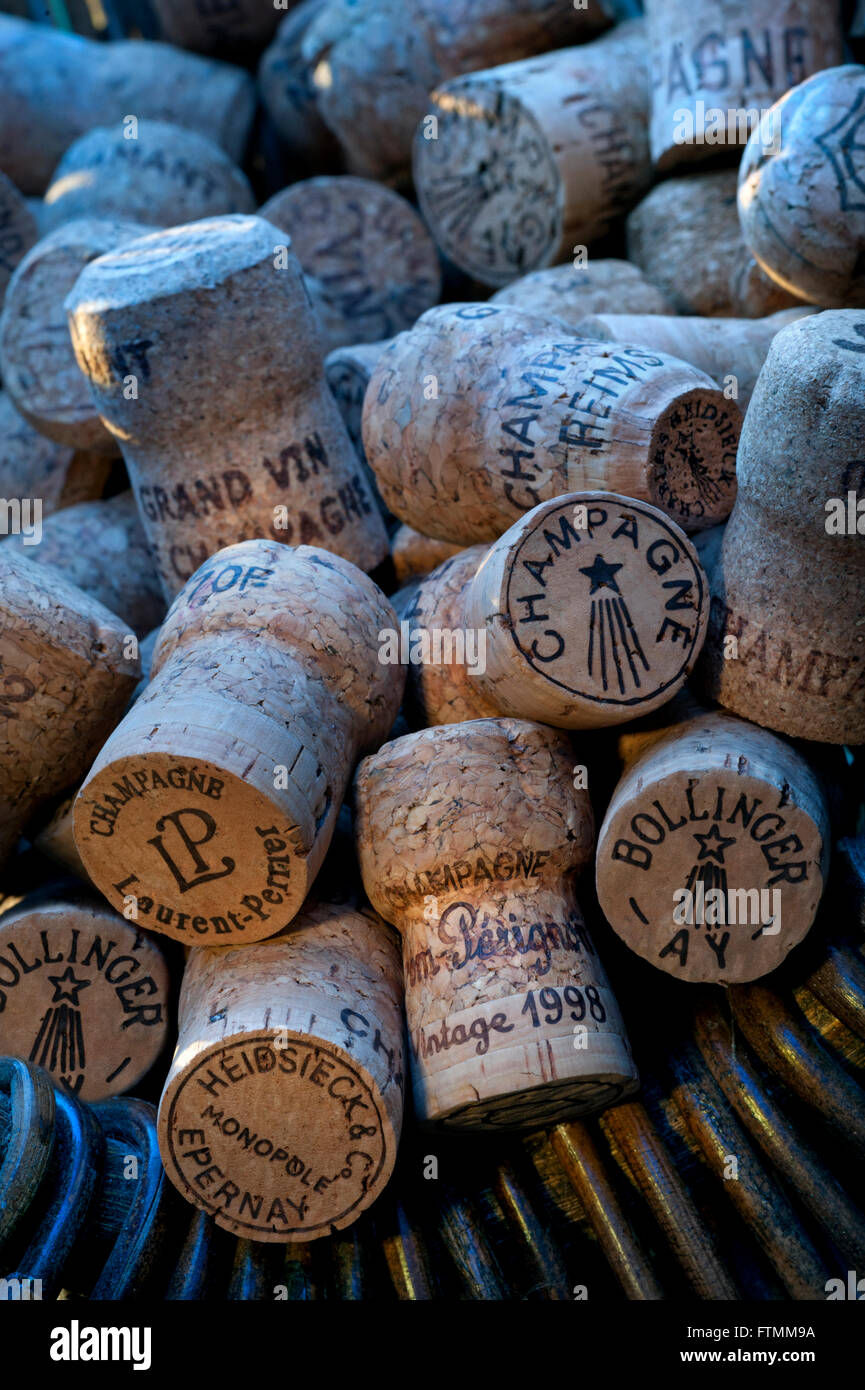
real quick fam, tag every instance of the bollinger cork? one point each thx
(590, 611)
(571, 292)
(802, 204)
(201, 350)
(730, 351)
(479, 413)
(370, 264)
(160, 176)
(37, 360)
(786, 641)
(469, 838)
(415, 555)
(717, 67)
(34, 467)
(83, 992)
(55, 86)
(231, 29)
(685, 237)
(64, 678)
(100, 546)
(283, 1107)
(214, 801)
(18, 231)
(374, 62)
(713, 853)
(534, 159)
(287, 92)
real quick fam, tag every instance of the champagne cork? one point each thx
(34, 467)
(18, 230)
(55, 86)
(685, 237)
(713, 852)
(231, 431)
(37, 360)
(160, 175)
(468, 839)
(283, 1107)
(101, 547)
(730, 351)
(213, 803)
(374, 62)
(786, 645)
(64, 679)
(83, 993)
(348, 370)
(233, 29)
(479, 413)
(370, 263)
(590, 611)
(416, 555)
(802, 204)
(717, 67)
(572, 292)
(536, 158)
(288, 93)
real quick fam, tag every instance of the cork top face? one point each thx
(594, 597)
(465, 809)
(84, 994)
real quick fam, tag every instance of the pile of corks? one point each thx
(531, 406)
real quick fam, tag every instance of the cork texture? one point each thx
(480, 412)
(84, 993)
(572, 292)
(34, 466)
(154, 173)
(18, 230)
(287, 91)
(415, 555)
(468, 838)
(788, 587)
(714, 804)
(56, 86)
(37, 359)
(801, 206)
(371, 265)
(283, 1107)
(215, 800)
(202, 354)
(728, 58)
(685, 237)
(534, 158)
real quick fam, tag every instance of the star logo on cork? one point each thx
(611, 630)
(713, 844)
(844, 146)
(67, 986)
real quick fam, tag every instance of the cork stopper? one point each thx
(685, 237)
(375, 62)
(19, 230)
(800, 202)
(232, 30)
(785, 646)
(283, 1107)
(33, 466)
(730, 351)
(154, 173)
(536, 157)
(348, 370)
(288, 93)
(468, 838)
(55, 86)
(214, 801)
(201, 350)
(371, 265)
(462, 446)
(37, 360)
(64, 678)
(415, 555)
(83, 993)
(713, 853)
(101, 547)
(713, 64)
(572, 292)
